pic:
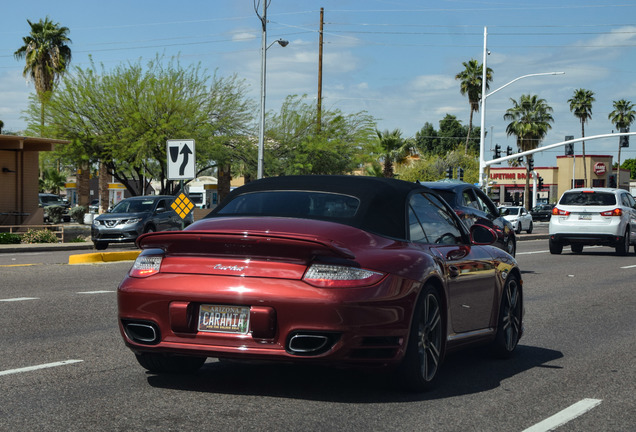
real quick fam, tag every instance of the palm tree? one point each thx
(394, 149)
(470, 84)
(581, 107)
(47, 57)
(530, 119)
(622, 117)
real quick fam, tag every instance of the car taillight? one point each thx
(615, 212)
(337, 276)
(558, 212)
(146, 265)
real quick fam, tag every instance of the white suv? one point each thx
(598, 216)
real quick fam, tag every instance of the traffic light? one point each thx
(508, 151)
(531, 164)
(497, 151)
(460, 173)
(612, 180)
(569, 149)
(624, 140)
(540, 183)
(449, 173)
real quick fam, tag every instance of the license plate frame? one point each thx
(585, 217)
(218, 318)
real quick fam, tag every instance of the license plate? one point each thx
(224, 319)
(585, 217)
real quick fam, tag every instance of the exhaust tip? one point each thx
(142, 332)
(306, 344)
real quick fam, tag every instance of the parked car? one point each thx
(338, 270)
(49, 200)
(542, 212)
(134, 216)
(472, 206)
(519, 217)
(598, 216)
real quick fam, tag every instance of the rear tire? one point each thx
(424, 352)
(622, 248)
(509, 324)
(100, 245)
(576, 248)
(529, 230)
(159, 363)
(555, 247)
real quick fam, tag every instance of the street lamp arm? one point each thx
(521, 77)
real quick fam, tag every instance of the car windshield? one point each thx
(512, 211)
(588, 198)
(315, 205)
(133, 206)
(51, 199)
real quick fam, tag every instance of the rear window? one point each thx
(314, 205)
(588, 199)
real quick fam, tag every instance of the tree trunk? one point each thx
(103, 188)
(224, 177)
(470, 128)
(83, 184)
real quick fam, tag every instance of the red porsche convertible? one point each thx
(341, 270)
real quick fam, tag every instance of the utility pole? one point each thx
(319, 106)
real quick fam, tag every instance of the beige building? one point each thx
(19, 156)
(506, 184)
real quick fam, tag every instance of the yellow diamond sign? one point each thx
(182, 206)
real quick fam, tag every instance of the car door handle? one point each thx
(453, 271)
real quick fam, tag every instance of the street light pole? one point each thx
(261, 129)
(482, 132)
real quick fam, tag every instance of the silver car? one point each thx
(597, 216)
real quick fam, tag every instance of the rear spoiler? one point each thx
(243, 244)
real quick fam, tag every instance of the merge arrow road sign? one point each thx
(181, 160)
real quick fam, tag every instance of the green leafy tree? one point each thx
(581, 107)
(622, 117)
(427, 140)
(630, 164)
(293, 145)
(52, 181)
(47, 56)
(471, 79)
(124, 117)
(530, 120)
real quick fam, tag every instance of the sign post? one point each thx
(181, 166)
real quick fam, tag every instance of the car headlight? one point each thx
(131, 221)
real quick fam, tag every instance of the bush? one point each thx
(39, 236)
(10, 238)
(55, 213)
(77, 214)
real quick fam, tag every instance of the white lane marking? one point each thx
(631, 266)
(95, 292)
(530, 253)
(19, 299)
(42, 366)
(562, 417)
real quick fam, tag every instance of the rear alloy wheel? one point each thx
(622, 248)
(510, 316)
(159, 363)
(555, 247)
(576, 248)
(511, 247)
(424, 352)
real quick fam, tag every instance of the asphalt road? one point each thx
(578, 351)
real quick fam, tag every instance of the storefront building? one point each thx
(506, 184)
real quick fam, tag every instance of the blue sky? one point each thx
(395, 59)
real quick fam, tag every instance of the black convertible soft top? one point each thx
(383, 201)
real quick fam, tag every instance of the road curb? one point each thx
(103, 257)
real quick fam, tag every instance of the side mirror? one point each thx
(160, 210)
(482, 235)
